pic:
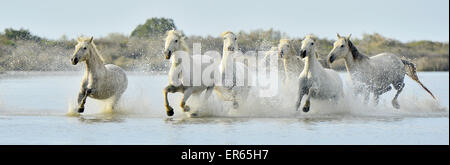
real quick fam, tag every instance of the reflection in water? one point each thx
(207, 120)
(101, 118)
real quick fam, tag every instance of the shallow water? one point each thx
(34, 108)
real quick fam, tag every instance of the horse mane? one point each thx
(225, 33)
(355, 53)
(311, 36)
(97, 52)
(86, 39)
(184, 45)
(282, 41)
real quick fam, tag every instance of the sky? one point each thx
(404, 20)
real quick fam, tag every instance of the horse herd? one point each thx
(369, 75)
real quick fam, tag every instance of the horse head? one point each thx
(308, 47)
(173, 42)
(341, 48)
(82, 49)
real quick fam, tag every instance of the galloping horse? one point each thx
(235, 84)
(180, 79)
(293, 66)
(316, 81)
(374, 74)
(100, 81)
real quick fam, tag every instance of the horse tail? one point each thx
(410, 69)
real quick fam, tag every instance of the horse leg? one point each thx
(186, 95)
(399, 87)
(302, 90)
(235, 102)
(312, 91)
(81, 95)
(115, 101)
(82, 101)
(380, 92)
(208, 92)
(171, 89)
(376, 98)
(366, 95)
(245, 93)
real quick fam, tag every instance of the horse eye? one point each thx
(176, 40)
(342, 46)
(235, 38)
(312, 43)
(84, 48)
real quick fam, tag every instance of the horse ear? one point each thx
(348, 37)
(291, 41)
(339, 36)
(79, 39)
(91, 39)
(294, 45)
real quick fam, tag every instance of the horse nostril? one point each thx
(331, 59)
(303, 53)
(74, 60)
(168, 54)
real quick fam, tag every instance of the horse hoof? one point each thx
(235, 105)
(395, 104)
(81, 110)
(194, 115)
(169, 111)
(389, 88)
(186, 108)
(306, 109)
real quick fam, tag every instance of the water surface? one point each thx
(34, 110)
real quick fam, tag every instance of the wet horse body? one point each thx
(293, 66)
(234, 84)
(315, 81)
(374, 74)
(100, 81)
(181, 75)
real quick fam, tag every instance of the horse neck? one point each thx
(226, 60)
(354, 57)
(175, 55)
(94, 64)
(290, 57)
(183, 45)
(311, 61)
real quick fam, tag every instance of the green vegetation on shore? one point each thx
(20, 50)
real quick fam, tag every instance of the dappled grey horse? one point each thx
(100, 81)
(375, 74)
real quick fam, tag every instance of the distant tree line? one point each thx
(20, 50)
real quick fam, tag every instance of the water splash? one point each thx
(282, 106)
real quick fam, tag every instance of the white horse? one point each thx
(316, 81)
(235, 84)
(375, 74)
(100, 81)
(272, 53)
(180, 79)
(293, 66)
